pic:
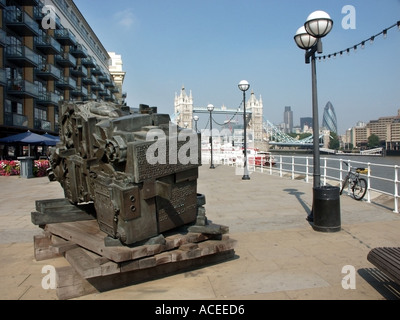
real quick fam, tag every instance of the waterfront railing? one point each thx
(383, 179)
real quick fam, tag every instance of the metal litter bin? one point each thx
(326, 209)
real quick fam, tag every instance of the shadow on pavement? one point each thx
(381, 283)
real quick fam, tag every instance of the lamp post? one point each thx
(196, 119)
(244, 86)
(210, 108)
(308, 37)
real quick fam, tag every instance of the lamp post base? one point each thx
(212, 167)
(246, 177)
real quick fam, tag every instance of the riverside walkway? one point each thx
(279, 256)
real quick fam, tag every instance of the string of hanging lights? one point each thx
(340, 53)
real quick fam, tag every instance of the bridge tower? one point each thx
(256, 121)
(183, 108)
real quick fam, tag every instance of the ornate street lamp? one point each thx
(308, 37)
(244, 86)
(196, 119)
(210, 108)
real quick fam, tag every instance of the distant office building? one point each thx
(288, 120)
(329, 120)
(306, 123)
(118, 75)
(48, 54)
(386, 128)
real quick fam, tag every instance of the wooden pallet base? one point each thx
(95, 267)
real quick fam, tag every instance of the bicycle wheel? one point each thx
(359, 189)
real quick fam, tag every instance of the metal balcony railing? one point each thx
(66, 60)
(22, 88)
(79, 51)
(48, 98)
(22, 56)
(3, 38)
(3, 77)
(66, 83)
(65, 37)
(79, 71)
(89, 62)
(48, 71)
(15, 120)
(41, 124)
(20, 22)
(47, 44)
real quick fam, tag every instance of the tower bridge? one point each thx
(264, 133)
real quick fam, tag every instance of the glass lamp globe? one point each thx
(244, 85)
(303, 39)
(318, 24)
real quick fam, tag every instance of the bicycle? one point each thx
(357, 184)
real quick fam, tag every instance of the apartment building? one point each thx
(48, 53)
(386, 128)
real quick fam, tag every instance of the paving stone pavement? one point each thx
(278, 255)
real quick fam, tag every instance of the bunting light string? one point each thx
(361, 44)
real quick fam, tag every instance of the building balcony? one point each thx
(48, 99)
(104, 93)
(3, 38)
(65, 37)
(3, 77)
(22, 56)
(20, 22)
(98, 87)
(89, 62)
(114, 90)
(97, 71)
(47, 45)
(41, 124)
(66, 83)
(78, 51)
(3, 4)
(104, 78)
(79, 71)
(66, 60)
(48, 72)
(15, 120)
(22, 88)
(110, 98)
(89, 80)
(80, 91)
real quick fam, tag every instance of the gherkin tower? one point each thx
(329, 120)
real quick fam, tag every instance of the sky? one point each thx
(209, 46)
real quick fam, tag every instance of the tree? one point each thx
(334, 142)
(373, 141)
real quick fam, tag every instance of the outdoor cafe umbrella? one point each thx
(48, 135)
(29, 138)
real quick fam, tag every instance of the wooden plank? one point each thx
(42, 248)
(72, 285)
(83, 263)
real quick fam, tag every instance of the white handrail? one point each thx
(302, 166)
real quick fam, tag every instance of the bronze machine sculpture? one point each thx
(114, 158)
